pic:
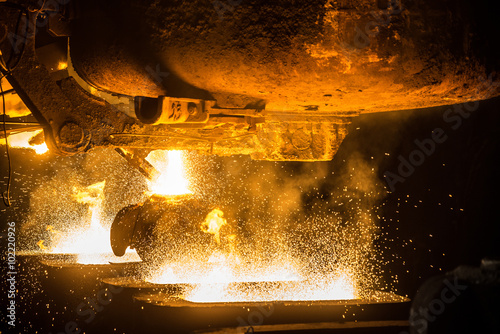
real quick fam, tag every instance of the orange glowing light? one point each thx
(92, 242)
(337, 288)
(226, 282)
(22, 140)
(62, 65)
(224, 273)
(92, 195)
(41, 245)
(213, 223)
(225, 276)
(172, 178)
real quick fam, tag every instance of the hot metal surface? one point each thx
(160, 307)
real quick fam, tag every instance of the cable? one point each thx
(9, 91)
(6, 194)
(6, 68)
(6, 65)
(3, 66)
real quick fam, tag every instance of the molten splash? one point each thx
(224, 271)
(93, 194)
(172, 178)
(41, 245)
(92, 242)
(62, 65)
(332, 288)
(227, 281)
(213, 223)
(225, 277)
(22, 140)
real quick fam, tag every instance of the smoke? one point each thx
(320, 216)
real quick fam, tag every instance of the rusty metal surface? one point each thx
(161, 308)
(335, 56)
(372, 327)
(76, 120)
(71, 119)
(277, 81)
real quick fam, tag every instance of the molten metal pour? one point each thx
(187, 242)
(169, 227)
(90, 242)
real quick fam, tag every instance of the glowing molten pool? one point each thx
(22, 140)
(223, 273)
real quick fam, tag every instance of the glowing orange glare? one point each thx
(213, 222)
(93, 194)
(41, 245)
(172, 178)
(334, 288)
(62, 65)
(22, 140)
(90, 242)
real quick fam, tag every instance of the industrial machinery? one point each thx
(167, 227)
(276, 81)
